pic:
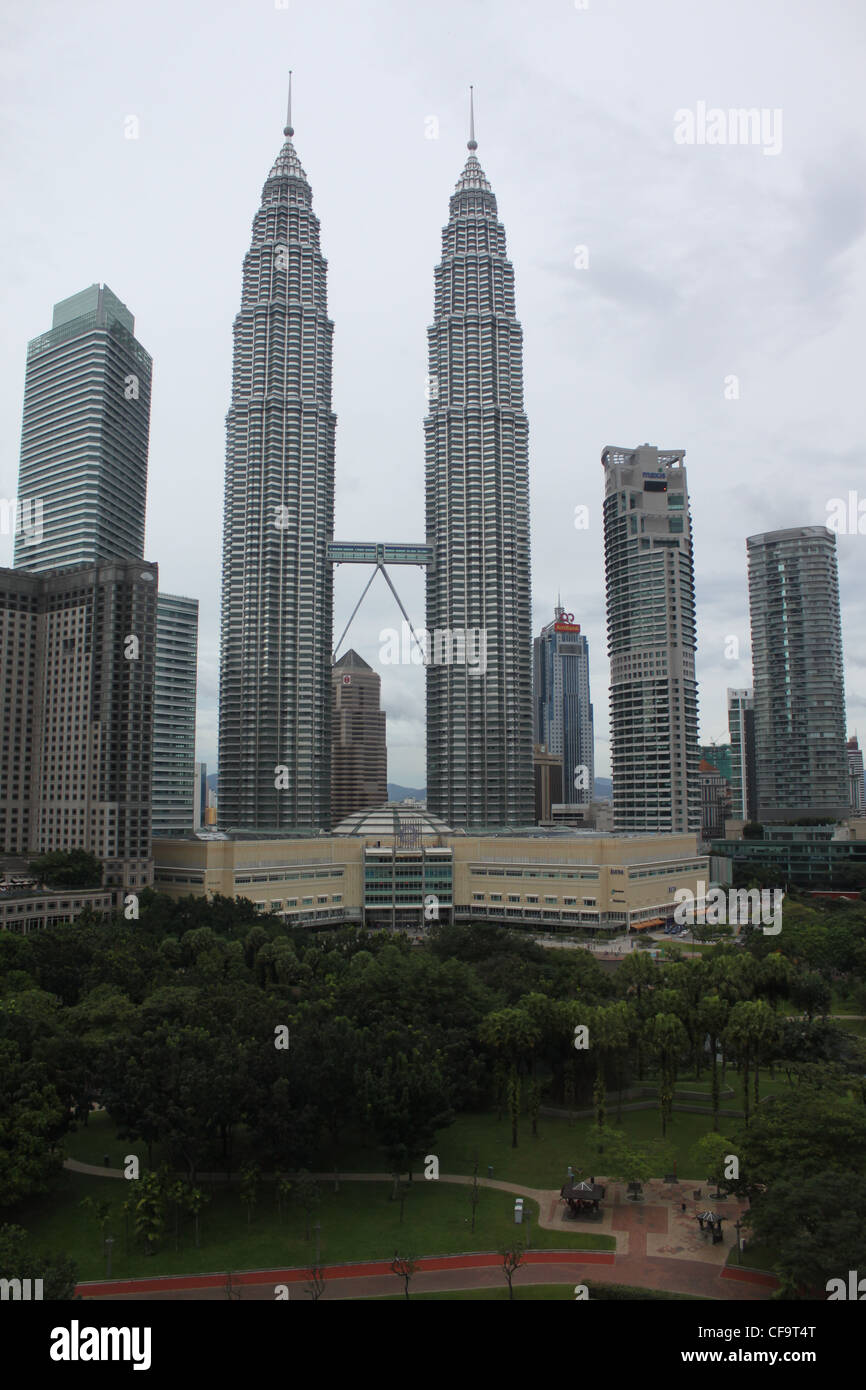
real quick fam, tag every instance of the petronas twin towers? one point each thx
(277, 595)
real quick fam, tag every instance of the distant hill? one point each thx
(398, 793)
(603, 789)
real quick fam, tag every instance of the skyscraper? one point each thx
(856, 785)
(479, 724)
(651, 640)
(77, 656)
(359, 765)
(741, 725)
(277, 590)
(802, 767)
(561, 704)
(83, 476)
(174, 715)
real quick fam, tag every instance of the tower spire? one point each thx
(472, 143)
(288, 130)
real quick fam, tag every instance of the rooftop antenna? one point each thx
(472, 143)
(288, 129)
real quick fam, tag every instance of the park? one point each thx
(717, 1093)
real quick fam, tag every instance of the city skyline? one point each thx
(561, 161)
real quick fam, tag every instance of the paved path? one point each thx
(454, 1272)
(658, 1246)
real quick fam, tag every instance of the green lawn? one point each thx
(358, 1223)
(753, 1257)
(543, 1162)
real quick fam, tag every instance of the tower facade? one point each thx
(83, 475)
(359, 764)
(174, 715)
(561, 704)
(277, 589)
(856, 785)
(479, 721)
(80, 643)
(649, 569)
(800, 745)
(741, 726)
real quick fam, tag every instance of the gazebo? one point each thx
(582, 1196)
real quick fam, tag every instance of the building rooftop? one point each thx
(392, 819)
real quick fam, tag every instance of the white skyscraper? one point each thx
(651, 640)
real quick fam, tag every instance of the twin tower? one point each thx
(278, 542)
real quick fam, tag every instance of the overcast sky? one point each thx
(706, 262)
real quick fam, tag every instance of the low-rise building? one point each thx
(399, 866)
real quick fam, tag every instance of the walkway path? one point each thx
(658, 1246)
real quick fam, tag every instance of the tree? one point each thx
(20, 1259)
(404, 1266)
(250, 1174)
(514, 1103)
(667, 1038)
(308, 1197)
(32, 1119)
(713, 1017)
(101, 1213)
(709, 1155)
(150, 1212)
(316, 1286)
(815, 1223)
(73, 869)
(196, 1201)
(474, 1195)
(512, 1258)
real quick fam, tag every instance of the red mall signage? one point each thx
(566, 623)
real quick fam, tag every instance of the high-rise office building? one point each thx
(802, 767)
(83, 475)
(200, 796)
(719, 756)
(561, 704)
(277, 590)
(741, 726)
(479, 721)
(174, 715)
(359, 758)
(856, 786)
(651, 640)
(77, 657)
(714, 800)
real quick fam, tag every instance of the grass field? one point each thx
(359, 1222)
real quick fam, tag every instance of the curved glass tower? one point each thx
(277, 593)
(479, 715)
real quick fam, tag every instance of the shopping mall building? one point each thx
(399, 866)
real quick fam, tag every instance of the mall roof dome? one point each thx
(393, 818)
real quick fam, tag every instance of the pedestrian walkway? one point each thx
(658, 1246)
